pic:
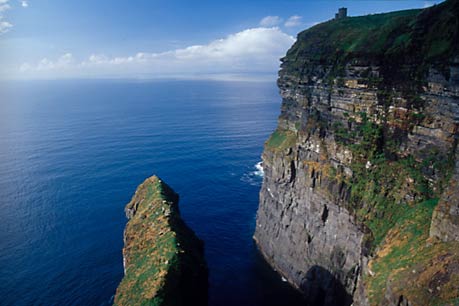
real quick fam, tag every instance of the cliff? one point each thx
(163, 258)
(365, 148)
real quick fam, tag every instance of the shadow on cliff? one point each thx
(319, 287)
(322, 288)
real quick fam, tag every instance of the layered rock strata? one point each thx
(163, 259)
(365, 146)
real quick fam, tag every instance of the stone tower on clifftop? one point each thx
(342, 13)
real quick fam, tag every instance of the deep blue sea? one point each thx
(72, 154)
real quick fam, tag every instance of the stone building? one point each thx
(342, 13)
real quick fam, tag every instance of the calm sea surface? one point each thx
(72, 154)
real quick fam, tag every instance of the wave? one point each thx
(254, 177)
(259, 172)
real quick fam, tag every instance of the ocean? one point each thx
(72, 154)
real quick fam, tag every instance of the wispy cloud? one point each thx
(294, 21)
(4, 6)
(428, 4)
(5, 26)
(270, 21)
(64, 62)
(252, 51)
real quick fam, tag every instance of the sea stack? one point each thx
(365, 148)
(163, 259)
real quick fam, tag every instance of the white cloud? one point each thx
(293, 21)
(4, 7)
(428, 4)
(65, 61)
(5, 26)
(270, 21)
(252, 51)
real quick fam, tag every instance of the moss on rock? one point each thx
(163, 259)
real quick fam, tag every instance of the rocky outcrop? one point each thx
(445, 219)
(364, 147)
(163, 259)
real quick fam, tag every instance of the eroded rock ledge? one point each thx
(163, 259)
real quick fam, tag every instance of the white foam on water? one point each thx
(259, 172)
(254, 177)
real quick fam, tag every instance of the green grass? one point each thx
(377, 195)
(368, 34)
(411, 263)
(438, 47)
(281, 139)
(378, 200)
(412, 228)
(277, 139)
(153, 248)
(421, 37)
(384, 185)
(158, 245)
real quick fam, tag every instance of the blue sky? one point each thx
(157, 38)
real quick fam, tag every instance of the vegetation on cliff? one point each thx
(390, 82)
(386, 184)
(410, 262)
(403, 37)
(281, 139)
(164, 260)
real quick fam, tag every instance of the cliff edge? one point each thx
(364, 154)
(163, 259)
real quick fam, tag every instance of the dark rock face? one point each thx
(365, 142)
(163, 259)
(304, 232)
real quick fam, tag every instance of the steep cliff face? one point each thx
(445, 219)
(366, 144)
(163, 259)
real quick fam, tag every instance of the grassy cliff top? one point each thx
(431, 34)
(164, 259)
